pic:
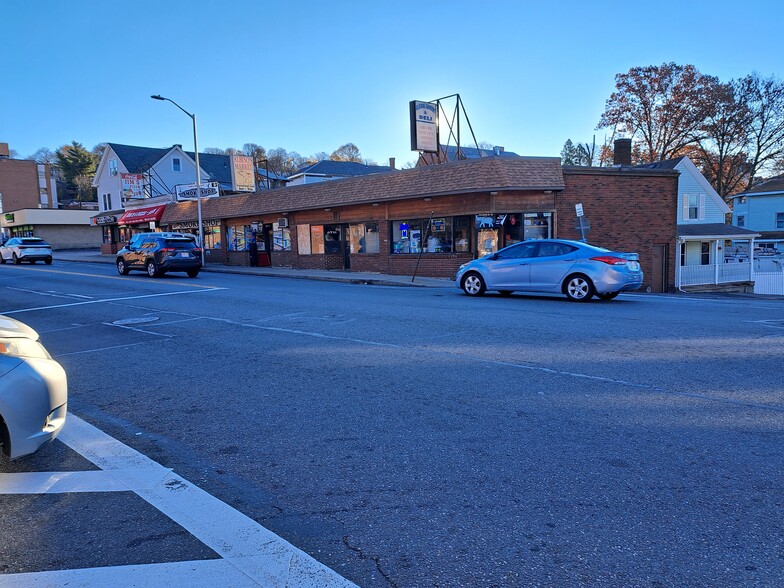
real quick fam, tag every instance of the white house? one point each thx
(703, 231)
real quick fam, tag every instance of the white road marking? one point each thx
(251, 554)
(96, 350)
(137, 330)
(89, 481)
(51, 293)
(191, 574)
(102, 300)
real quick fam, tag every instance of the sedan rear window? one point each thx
(32, 241)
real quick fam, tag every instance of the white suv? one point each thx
(32, 249)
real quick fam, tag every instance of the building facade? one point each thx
(432, 219)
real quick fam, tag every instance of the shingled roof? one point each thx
(477, 175)
(140, 159)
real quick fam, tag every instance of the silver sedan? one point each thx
(557, 266)
(33, 391)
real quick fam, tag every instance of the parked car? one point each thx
(573, 268)
(19, 249)
(33, 391)
(159, 253)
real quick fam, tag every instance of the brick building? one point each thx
(438, 217)
(29, 206)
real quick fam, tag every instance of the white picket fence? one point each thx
(769, 282)
(721, 273)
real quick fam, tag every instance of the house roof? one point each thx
(327, 167)
(774, 184)
(474, 153)
(139, 159)
(666, 164)
(460, 177)
(714, 230)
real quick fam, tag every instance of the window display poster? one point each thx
(303, 239)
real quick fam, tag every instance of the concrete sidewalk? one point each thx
(95, 256)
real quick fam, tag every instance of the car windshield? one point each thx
(32, 241)
(179, 244)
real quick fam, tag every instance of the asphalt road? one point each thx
(415, 436)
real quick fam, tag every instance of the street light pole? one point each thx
(198, 171)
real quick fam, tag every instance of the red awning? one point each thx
(141, 215)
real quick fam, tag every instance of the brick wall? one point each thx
(627, 210)
(19, 184)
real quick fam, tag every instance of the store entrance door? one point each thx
(264, 245)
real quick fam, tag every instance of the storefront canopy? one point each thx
(141, 215)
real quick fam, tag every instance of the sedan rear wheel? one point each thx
(579, 288)
(473, 284)
(17, 261)
(152, 269)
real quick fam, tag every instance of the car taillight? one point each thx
(197, 250)
(610, 260)
(168, 249)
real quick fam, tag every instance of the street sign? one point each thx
(579, 209)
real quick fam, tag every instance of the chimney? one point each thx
(392, 163)
(4, 151)
(622, 154)
(498, 150)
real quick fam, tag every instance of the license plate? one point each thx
(184, 254)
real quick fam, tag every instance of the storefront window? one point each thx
(406, 236)
(317, 239)
(462, 234)
(281, 239)
(236, 237)
(537, 225)
(513, 229)
(212, 237)
(124, 234)
(364, 238)
(106, 231)
(439, 237)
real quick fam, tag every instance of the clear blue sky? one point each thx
(311, 76)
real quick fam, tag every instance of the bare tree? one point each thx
(44, 156)
(766, 103)
(659, 104)
(347, 152)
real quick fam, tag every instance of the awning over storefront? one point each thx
(107, 217)
(141, 215)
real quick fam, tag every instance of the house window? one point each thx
(705, 253)
(692, 205)
(780, 220)
(112, 167)
(176, 164)
(742, 200)
(741, 222)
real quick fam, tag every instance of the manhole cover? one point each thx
(137, 321)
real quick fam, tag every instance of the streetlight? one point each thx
(198, 170)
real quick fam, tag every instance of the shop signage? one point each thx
(242, 173)
(438, 225)
(132, 186)
(9, 217)
(424, 126)
(141, 215)
(105, 220)
(189, 192)
(194, 224)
